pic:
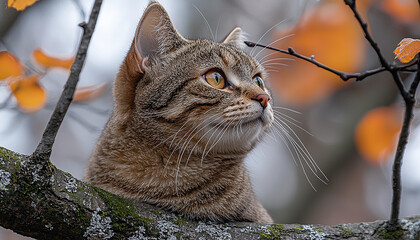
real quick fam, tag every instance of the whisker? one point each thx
(276, 64)
(279, 58)
(269, 45)
(288, 109)
(286, 116)
(190, 138)
(294, 124)
(217, 139)
(189, 132)
(208, 25)
(217, 27)
(192, 150)
(301, 152)
(221, 135)
(285, 143)
(180, 154)
(266, 56)
(275, 59)
(282, 124)
(266, 32)
(300, 157)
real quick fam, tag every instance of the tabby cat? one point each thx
(186, 114)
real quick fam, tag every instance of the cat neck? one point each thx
(162, 170)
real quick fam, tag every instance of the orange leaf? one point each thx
(330, 33)
(377, 133)
(48, 61)
(406, 11)
(9, 66)
(407, 49)
(89, 92)
(20, 5)
(30, 96)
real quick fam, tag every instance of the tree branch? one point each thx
(369, 38)
(343, 75)
(43, 151)
(62, 207)
(402, 142)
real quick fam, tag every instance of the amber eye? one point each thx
(215, 78)
(258, 80)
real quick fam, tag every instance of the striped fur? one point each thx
(174, 140)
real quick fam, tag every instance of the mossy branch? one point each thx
(58, 206)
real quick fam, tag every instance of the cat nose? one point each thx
(262, 99)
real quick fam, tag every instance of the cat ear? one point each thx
(236, 38)
(155, 34)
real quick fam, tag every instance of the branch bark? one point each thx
(62, 207)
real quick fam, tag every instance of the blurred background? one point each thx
(349, 129)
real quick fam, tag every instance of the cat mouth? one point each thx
(252, 122)
(239, 123)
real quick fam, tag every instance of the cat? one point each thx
(186, 114)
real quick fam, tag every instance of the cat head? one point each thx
(199, 93)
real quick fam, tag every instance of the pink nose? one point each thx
(262, 99)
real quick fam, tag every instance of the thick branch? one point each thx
(62, 207)
(43, 151)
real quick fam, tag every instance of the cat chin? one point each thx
(238, 138)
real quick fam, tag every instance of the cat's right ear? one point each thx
(236, 38)
(155, 36)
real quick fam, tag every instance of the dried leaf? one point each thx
(377, 133)
(9, 66)
(30, 96)
(406, 11)
(48, 61)
(20, 5)
(329, 33)
(407, 49)
(89, 92)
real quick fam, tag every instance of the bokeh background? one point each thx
(341, 124)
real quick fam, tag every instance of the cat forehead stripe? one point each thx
(233, 79)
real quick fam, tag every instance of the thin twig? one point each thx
(402, 142)
(415, 84)
(6, 102)
(374, 44)
(343, 75)
(43, 151)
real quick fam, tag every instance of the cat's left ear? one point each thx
(236, 38)
(155, 35)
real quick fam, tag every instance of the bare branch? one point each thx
(374, 44)
(402, 142)
(43, 151)
(343, 75)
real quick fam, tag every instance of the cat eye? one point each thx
(215, 78)
(258, 80)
